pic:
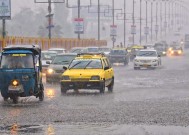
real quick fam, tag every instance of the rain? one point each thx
(106, 67)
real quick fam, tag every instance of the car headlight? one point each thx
(65, 78)
(164, 52)
(95, 78)
(15, 83)
(179, 52)
(154, 60)
(137, 60)
(50, 71)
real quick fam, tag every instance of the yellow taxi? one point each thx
(88, 71)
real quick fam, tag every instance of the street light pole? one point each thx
(161, 19)
(146, 31)
(98, 19)
(165, 25)
(140, 22)
(133, 21)
(49, 16)
(113, 21)
(78, 16)
(124, 23)
(156, 20)
(151, 21)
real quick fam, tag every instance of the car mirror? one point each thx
(65, 68)
(106, 68)
(48, 62)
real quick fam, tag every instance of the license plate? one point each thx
(145, 65)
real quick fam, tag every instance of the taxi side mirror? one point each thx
(106, 68)
(48, 62)
(65, 68)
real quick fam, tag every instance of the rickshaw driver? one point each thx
(16, 63)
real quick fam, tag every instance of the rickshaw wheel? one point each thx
(5, 98)
(41, 96)
(15, 99)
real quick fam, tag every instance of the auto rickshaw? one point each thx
(21, 72)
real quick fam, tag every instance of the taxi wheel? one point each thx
(102, 89)
(111, 86)
(63, 90)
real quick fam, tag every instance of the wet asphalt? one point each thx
(144, 102)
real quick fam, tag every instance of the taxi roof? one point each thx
(90, 55)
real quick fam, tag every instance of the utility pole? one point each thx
(98, 19)
(133, 22)
(156, 20)
(124, 20)
(49, 18)
(3, 33)
(78, 16)
(140, 22)
(146, 30)
(165, 25)
(161, 19)
(113, 21)
(151, 21)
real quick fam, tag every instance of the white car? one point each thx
(147, 59)
(58, 50)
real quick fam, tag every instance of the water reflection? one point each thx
(50, 130)
(50, 93)
(14, 129)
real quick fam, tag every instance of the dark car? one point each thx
(55, 68)
(119, 56)
(47, 56)
(175, 51)
(161, 48)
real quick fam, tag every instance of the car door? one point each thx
(108, 72)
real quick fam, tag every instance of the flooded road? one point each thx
(143, 102)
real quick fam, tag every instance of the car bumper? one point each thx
(81, 85)
(146, 65)
(56, 77)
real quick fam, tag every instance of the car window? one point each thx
(63, 59)
(12, 61)
(147, 53)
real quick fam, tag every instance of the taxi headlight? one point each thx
(50, 71)
(95, 78)
(172, 52)
(65, 78)
(164, 52)
(15, 83)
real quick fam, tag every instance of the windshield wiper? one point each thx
(87, 64)
(75, 65)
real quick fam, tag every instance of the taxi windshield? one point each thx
(147, 54)
(86, 64)
(12, 61)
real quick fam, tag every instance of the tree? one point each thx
(61, 18)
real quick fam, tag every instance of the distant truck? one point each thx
(186, 41)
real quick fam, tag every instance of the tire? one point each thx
(136, 68)
(15, 99)
(5, 98)
(41, 96)
(102, 89)
(63, 90)
(111, 86)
